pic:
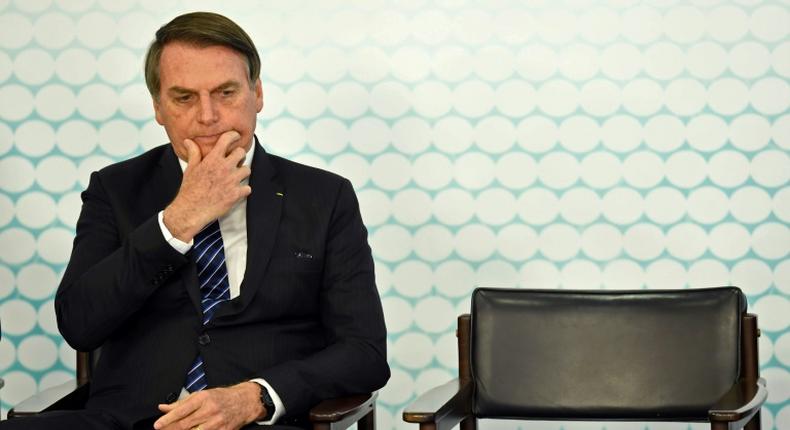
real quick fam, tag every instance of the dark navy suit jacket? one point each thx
(308, 319)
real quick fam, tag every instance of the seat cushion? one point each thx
(603, 354)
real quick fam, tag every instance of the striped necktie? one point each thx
(209, 254)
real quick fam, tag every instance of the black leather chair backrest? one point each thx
(595, 354)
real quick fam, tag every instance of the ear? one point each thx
(158, 111)
(258, 95)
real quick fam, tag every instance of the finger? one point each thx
(167, 407)
(188, 406)
(237, 156)
(196, 419)
(193, 153)
(166, 420)
(243, 172)
(202, 416)
(224, 141)
(246, 190)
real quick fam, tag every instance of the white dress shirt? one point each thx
(233, 226)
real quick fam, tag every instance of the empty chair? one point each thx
(688, 355)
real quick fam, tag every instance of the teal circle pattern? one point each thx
(532, 144)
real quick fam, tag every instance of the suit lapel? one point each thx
(264, 207)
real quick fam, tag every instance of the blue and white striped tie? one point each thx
(209, 254)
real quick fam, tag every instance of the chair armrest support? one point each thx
(740, 404)
(66, 396)
(444, 406)
(340, 413)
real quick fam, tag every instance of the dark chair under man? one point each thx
(333, 414)
(2, 383)
(687, 356)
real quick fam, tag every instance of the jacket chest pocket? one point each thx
(297, 262)
(294, 283)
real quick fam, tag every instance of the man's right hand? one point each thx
(211, 186)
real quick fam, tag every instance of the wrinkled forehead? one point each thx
(188, 65)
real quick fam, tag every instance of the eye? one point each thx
(228, 92)
(184, 98)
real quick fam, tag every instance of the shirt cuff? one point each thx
(279, 408)
(176, 243)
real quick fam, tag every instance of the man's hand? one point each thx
(215, 409)
(210, 187)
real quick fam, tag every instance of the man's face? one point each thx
(203, 93)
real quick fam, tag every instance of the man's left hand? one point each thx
(214, 409)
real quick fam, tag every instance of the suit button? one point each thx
(171, 397)
(204, 339)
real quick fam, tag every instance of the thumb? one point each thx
(193, 153)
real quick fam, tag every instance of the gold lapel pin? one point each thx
(279, 194)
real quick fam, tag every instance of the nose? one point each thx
(208, 113)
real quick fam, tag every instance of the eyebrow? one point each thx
(178, 91)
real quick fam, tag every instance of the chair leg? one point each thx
(755, 423)
(368, 422)
(469, 424)
(719, 425)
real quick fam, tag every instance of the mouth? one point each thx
(207, 139)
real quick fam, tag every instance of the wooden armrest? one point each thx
(340, 413)
(445, 405)
(65, 396)
(739, 404)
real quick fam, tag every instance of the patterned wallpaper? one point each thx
(548, 144)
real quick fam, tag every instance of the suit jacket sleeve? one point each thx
(355, 359)
(108, 279)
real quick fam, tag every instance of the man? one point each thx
(214, 325)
